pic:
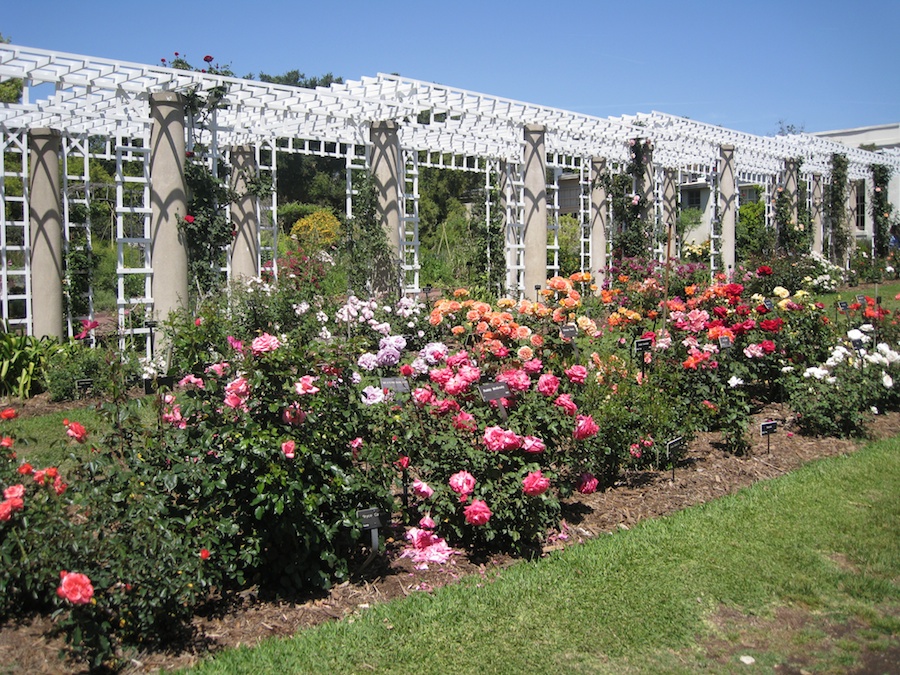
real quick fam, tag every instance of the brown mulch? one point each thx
(706, 472)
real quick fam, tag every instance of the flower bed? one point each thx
(467, 421)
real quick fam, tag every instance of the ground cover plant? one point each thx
(467, 420)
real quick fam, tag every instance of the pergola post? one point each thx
(727, 207)
(850, 210)
(244, 218)
(535, 202)
(816, 214)
(670, 206)
(46, 241)
(599, 218)
(385, 165)
(647, 186)
(791, 189)
(168, 201)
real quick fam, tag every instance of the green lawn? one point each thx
(823, 541)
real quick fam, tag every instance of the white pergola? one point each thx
(101, 109)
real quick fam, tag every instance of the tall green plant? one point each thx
(836, 208)
(881, 208)
(374, 266)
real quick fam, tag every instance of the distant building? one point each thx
(884, 137)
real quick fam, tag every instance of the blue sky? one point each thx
(742, 65)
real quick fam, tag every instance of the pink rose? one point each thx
(587, 483)
(477, 513)
(9, 507)
(264, 343)
(565, 402)
(191, 379)
(422, 489)
(462, 483)
(293, 415)
(14, 492)
(288, 448)
(516, 380)
(576, 374)
(548, 384)
(533, 444)
(535, 483)
(423, 396)
(585, 427)
(426, 522)
(464, 422)
(532, 366)
(499, 439)
(306, 386)
(75, 587)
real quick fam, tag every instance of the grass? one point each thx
(824, 541)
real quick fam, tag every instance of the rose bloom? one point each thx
(75, 587)
(517, 380)
(264, 343)
(587, 483)
(533, 366)
(293, 415)
(576, 374)
(585, 427)
(548, 384)
(533, 444)
(477, 513)
(499, 439)
(288, 448)
(191, 379)
(422, 489)
(6, 442)
(8, 414)
(462, 483)
(9, 507)
(26, 469)
(535, 483)
(423, 396)
(204, 554)
(306, 386)
(14, 492)
(464, 422)
(75, 430)
(565, 402)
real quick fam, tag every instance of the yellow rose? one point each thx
(781, 292)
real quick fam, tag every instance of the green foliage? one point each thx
(752, 238)
(881, 208)
(837, 228)
(367, 240)
(632, 231)
(23, 362)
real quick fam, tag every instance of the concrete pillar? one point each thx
(385, 166)
(791, 188)
(244, 219)
(850, 210)
(599, 219)
(168, 201)
(46, 241)
(816, 214)
(647, 186)
(727, 207)
(535, 202)
(670, 209)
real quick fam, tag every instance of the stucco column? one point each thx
(599, 219)
(46, 241)
(244, 219)
(535, 202)
(791, 188)
(168, 201)
(816, 214)
(385, 164)
(647, 187)
(850, 210)
(727, 207)
(670, 208)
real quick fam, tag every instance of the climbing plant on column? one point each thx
(881, 208)
(836, 208)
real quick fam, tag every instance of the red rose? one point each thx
(208, 58)
(189, 219)
(8, 414)
(763, 270)
(204, 554)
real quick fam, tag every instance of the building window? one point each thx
(691, 199)
(861, 205)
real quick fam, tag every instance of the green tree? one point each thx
(11, 89)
